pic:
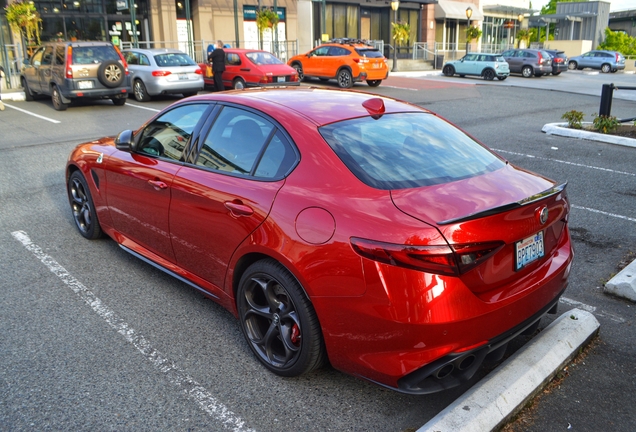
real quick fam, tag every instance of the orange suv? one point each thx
(345, 60)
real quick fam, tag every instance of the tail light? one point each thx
(123, 60)
(266, 80)
(69, 62)
(540, 58)
(443, 259)
(160, 73)
(198, 71)
(617, 57)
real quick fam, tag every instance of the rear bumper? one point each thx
(173, 87)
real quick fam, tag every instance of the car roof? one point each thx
(155, 50)
(319, 105)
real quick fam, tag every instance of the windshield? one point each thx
(262, 58)
(406, 150)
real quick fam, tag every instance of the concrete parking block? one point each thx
(562, 129)
(624, 283)
(490, 403)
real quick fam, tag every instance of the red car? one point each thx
(252, 68)
(335, 225)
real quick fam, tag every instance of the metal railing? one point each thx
(424, 51)
(11, 60)
(198, 50)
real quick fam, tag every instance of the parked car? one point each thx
(160, 71)
(252, 68)
(559, 61)
(66, 71)
(488, 66)
(345, 60)
(605, 61)
(528, 62)
(335, 224)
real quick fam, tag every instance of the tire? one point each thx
(140, 92)
(56, 98)
(111, 74)
(82, 207)
(489, 74)
(527, 72)
(614, 70)
(448, 71)
(119, 101)
(238, 84)
(573, 65)
(501, 78)
(344, 78)
(299, 70)
(374, 83)
(538, 75)
(606, 68)
(278, 320)
(461, 76)
(190, 94)
(556, 73)
(28, 96)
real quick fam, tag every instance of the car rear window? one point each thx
(406, 150)
(369, 52)
(94, 54)
(500, 59)
(174, 59)
(262, 58)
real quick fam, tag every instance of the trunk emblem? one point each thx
(542, 215)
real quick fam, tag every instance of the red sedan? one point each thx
(252, 68)
(336, 226)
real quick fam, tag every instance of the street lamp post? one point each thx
(469, 13)
(395, 4)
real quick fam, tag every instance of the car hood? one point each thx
(490, 192)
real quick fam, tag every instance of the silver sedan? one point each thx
(160, 71)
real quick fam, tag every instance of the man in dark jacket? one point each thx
(217, 58)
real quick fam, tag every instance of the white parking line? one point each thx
(31, 114)
(567, 163)
(143, 107)
(173, 373)
(591, 309)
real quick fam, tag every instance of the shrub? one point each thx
(605, 124)
(574, 119)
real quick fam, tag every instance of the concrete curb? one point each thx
(561, 129)
(624, 283)
(13, 96)
(503, 393)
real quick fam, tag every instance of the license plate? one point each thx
(183, 77)
(280, 79)
(529, 250)
(82, 85)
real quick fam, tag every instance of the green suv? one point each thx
(76, 70)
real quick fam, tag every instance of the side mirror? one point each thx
(124, 141)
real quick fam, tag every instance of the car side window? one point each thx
(236, 142)
(143, 60)
(167, 135)
(232, 59)
(321, 51)
(338, 51)
(59, 55)
(132, 58)
(36, 60)
(470, 57)
(47, 57)
(508, 53)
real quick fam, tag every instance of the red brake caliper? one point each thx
(295, 334)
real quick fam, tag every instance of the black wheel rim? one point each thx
(80, 205)
(271, 322)
(299, 70)
(344, 79)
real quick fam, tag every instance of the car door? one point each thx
(30, 71)
(469, 65)
(588, 60)
(514, 62)
(314, 62)
(139, 184)
(234, 66)
(228, 192)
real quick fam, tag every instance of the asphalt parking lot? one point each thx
(94, 339)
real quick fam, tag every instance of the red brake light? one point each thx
(160, 73)
(69, 62)
(540, 58)
(437, 259)
(616, 55)
(123, 60)
(198, 71)
(356, 60)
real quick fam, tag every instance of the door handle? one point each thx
(238, 209)
(158, 184)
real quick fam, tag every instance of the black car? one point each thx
(559, 61)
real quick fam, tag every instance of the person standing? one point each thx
(217, 57)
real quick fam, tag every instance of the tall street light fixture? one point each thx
(469, 13)
(395, 4)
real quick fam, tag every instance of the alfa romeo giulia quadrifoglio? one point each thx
(336, 226)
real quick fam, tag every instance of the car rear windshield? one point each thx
(406, 150)
(369, 52)
(500, 59)
(94, 54)
(174, 59)
(262, 58)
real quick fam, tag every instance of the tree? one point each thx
(618, 41)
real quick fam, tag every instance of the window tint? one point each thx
(168, 135)
(235, 142)
(338, 51)
(407, 150)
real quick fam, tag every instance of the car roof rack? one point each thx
(349, 41)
